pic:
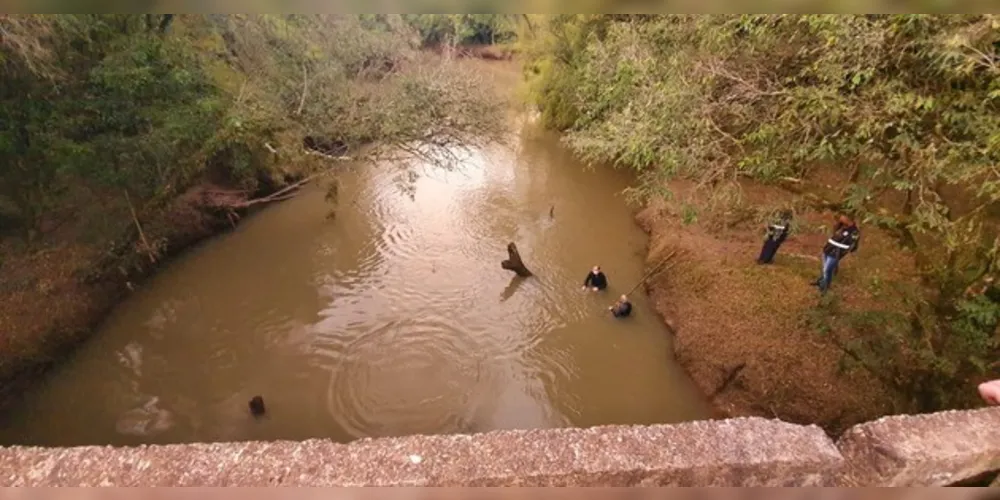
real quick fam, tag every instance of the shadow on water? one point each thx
(393, 318)
(512, 287)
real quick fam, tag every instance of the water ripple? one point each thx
(407, 377)
(393, 318)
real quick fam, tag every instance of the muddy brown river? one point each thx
(394, 318)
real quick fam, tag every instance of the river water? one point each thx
(392, 318)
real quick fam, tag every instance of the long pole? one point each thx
(661, 266)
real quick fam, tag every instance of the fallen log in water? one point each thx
(280, 195)
(236, 199)
(514, 262)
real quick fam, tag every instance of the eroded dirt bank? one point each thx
(53, 295)
(742, 330)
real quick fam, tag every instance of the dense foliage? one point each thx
(98, 112)
(905, 107)
(465, 29)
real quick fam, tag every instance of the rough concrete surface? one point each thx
(924, 450)
(736, 452)
(937, 449)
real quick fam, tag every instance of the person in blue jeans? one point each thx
(844, 240)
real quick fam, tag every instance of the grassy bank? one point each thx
(890, 118)
(127, 138)
(748, 334)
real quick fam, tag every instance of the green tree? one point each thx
(465, 29)
(111, 105)
(139, 107)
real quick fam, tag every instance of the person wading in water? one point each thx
(844, 240)
(777, 230)
(596, 279)
(622, 308)
(257, 406)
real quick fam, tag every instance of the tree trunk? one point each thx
(527, 20)
(165, 22)
(514, 263)
(855, 173)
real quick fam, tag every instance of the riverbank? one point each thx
(56, 291)
(742, 332)
(745, 333)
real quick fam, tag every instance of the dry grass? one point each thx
(727, 310)
(41, 293)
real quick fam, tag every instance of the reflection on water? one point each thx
(393, 318)
(145, 420)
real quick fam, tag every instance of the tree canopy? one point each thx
(98, 107)
(465, 29)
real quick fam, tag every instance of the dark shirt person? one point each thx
(596, 279)
(777, 230)
(257, 406)
(622, 308)
(844, 240)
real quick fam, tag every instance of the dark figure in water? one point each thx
(622, 308)
(596, 279)
(257, 406)
(777, 231)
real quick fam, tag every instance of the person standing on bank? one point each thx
(596, 279)
(777, 230)
(844, 240)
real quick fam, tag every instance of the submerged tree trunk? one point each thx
(514, 263)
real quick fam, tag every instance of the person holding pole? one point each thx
(622, 308)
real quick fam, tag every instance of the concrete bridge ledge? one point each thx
(921, 450)
(751, 451)
(936, 449)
